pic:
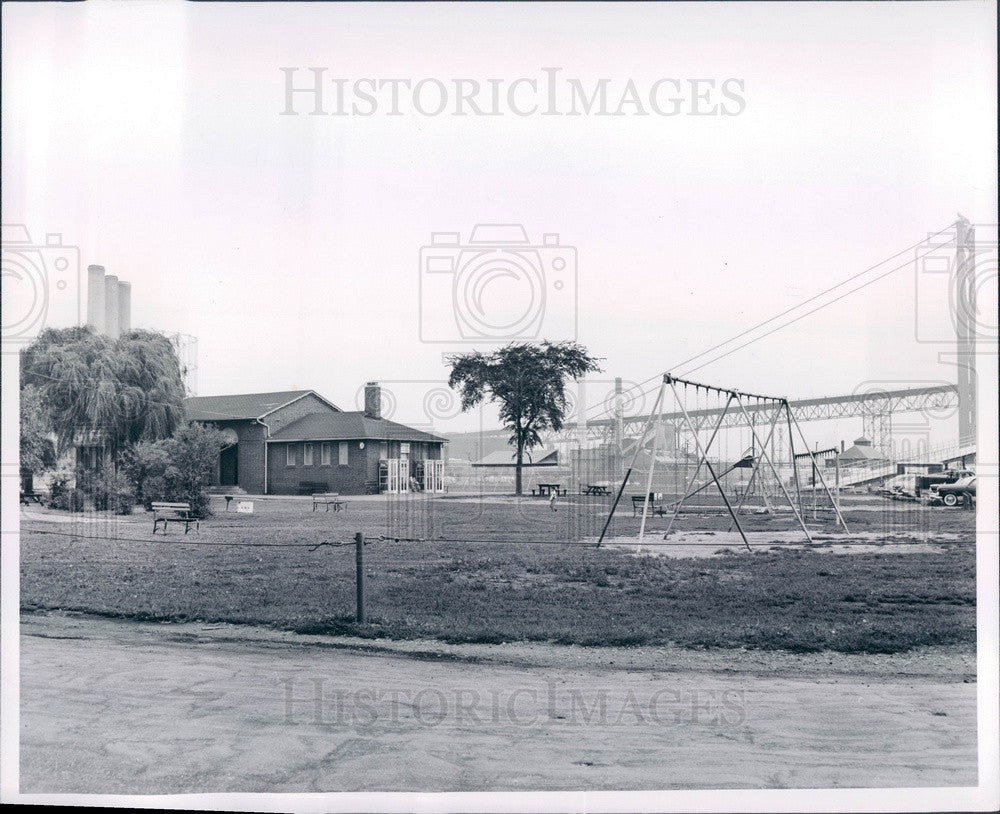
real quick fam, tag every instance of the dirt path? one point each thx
(112, 706)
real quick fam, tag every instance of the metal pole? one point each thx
(756, 465)
(635, 457)
(836, 508)
(813, 457)
(704, 454)
(359, 562)
(649, 478)
(784, 491)
(619, 428)
(836, 459)
(687, 489)
(791, 449)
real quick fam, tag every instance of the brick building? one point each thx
(297, 442)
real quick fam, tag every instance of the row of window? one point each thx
(308, 454)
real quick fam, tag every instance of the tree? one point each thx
(37, 450)
(114, 392)
(528, 381)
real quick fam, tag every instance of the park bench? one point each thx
(655, 507)
(328, 499)
(596, 489)
(31, 497)
(311, 487)
(173, 513)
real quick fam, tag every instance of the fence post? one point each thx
(359, 559)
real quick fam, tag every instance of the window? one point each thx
(343, 453)
(307, 454)
(289, 455)
(325, 454)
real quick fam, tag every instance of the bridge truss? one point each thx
(871, 405)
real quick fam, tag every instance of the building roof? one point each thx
(861, 452)
(350, 426)
(542, 457)
(243, 406)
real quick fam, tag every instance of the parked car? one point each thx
(901, 487)
(952, 494)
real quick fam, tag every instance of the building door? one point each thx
(433, 476)
(229, 467)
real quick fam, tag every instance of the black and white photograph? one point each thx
(500, 406)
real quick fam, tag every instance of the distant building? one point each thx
(297, 442)
(861, 452)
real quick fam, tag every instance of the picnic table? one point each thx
(602, 488)
(546, 489)
(31, 497)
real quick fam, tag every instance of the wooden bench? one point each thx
(173, 513)
(328, 499)
(311, 487)
(31, 497)
(655, 507)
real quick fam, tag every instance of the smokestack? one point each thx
(95, 298)
(111, 306)
(124, 306)
(373, 400)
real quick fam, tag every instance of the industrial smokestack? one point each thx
(124, 306)
(111, 306)
(95, 298)
(373, 400)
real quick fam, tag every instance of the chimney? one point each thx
(111, 306)
(124, 306)
(373, 400)
(95, 298)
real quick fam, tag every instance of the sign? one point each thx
(245, 507)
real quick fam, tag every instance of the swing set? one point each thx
(755, 458)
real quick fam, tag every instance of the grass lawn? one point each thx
(540, 588)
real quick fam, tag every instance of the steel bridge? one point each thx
(871, 404)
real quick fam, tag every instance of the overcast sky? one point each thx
(149, 135)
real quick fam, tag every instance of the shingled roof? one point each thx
(350, 426)
(242, 406)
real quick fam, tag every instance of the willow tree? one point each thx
(528, 382)
(107, 392)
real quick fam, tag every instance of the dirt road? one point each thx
(116, 706)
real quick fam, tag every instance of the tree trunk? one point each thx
(517, 468)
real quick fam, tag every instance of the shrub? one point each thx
(177, 468)
(68, 500)
(114, 491)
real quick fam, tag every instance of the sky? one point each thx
(150, 135)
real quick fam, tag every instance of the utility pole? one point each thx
(619, 428)
(964, 307)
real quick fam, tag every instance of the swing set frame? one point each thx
(655, 422)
